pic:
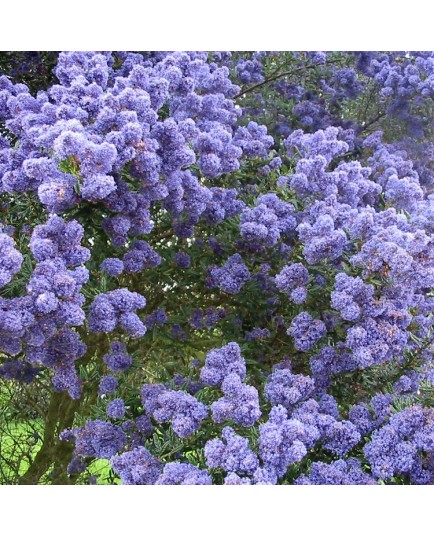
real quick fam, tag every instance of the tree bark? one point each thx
(61, 413)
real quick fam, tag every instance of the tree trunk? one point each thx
(54, 452)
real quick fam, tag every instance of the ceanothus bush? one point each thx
(218, 267)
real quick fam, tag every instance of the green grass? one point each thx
(18, 447)
(101, 468)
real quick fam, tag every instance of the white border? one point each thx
(216, 25)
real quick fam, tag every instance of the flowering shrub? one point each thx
(218, 268)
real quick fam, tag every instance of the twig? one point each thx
(281, 75)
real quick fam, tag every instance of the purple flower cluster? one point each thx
(337, 436)
(137, 467)
(267, 220)
(184, 474)
(351, 296)
(98, 439)
(59, 353)
(322, 240)
(10, 259)
(117, 309)
(158, 317)
(231, 276)
(107, 385)
(181, 409)
(257, 333)
(112, 266)
(58, 239)
(250, 71)
(55, 293)
(207, 318)
(282, 441)
(402, 445)
(139, 257)
(144, 425)
(292, 280)
(14, 369)
(116, 409)
(117, 359)
(232, 453)
(182, 259)
(253, 140)
(221, 362)
(340, 437)
(222, 204)
(15, 321)
(287, 389)
(192, 387)
(240, 402)
(374, 342)
(306, 331)
(340, 472)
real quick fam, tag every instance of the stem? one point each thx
(280, 75)
(60, 415)
(374, 120)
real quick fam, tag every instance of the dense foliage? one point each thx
(217, 268)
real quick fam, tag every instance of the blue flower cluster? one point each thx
(404, 446)
(288, 389)
(232, 453)
(306, 331)
(10, 259)
(97, 439)
(117, 309)
(306, 245)
(340, 472)
(231, 276)
(185, 474)
(292, 280)
(137, 467)
(181, 409)
(267, 220)
(221, 362)
(240, 402)
(116, 409)
(117, 360)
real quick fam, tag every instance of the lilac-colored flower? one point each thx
(117, 359)
(176, 473)
(181, 409)
(281, 441)
(10, 259)
(339, 472)
(232, 453)
(117, 308)
(137, 467)
(232, 275)
(257, 333)
(306, 331)
(107, 385)
(144, 425)
(292, 280)
(288, 389)
(240, 403)
(96, 438)
(116, 409)
(112, 266)
(221, 362)
(182, 259)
